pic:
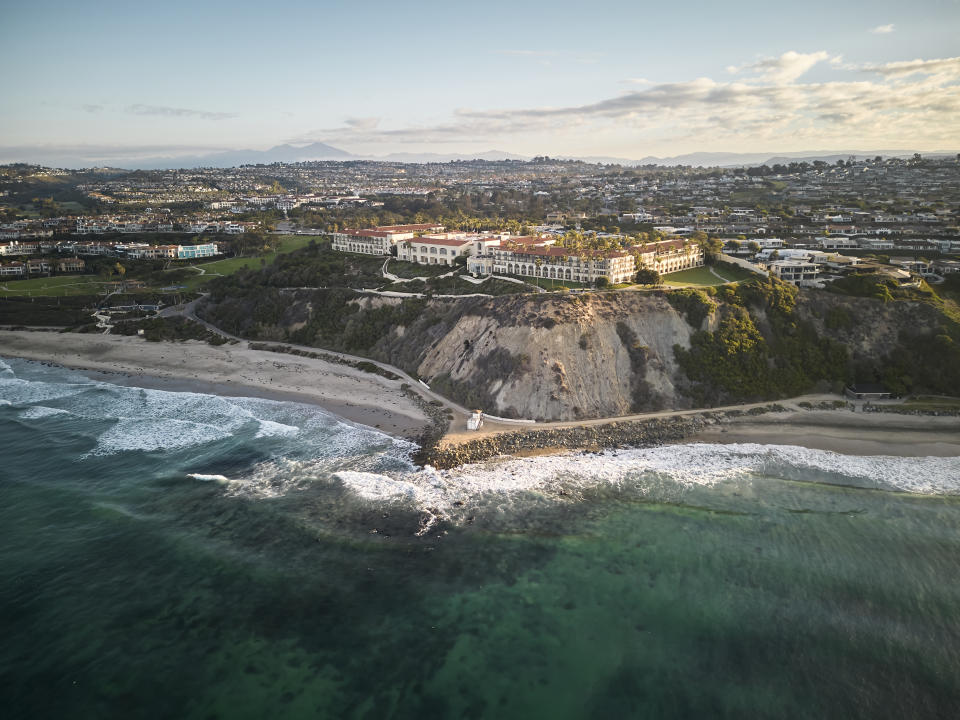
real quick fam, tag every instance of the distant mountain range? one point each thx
(286, 153)
(722, 159)
(98, 157)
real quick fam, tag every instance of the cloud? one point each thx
(882, 29)
(163, 111)
(92, 108)
(765, 106)
(949, 67)
(362, 123)
(786, 68)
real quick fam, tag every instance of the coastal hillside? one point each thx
(550, 357)
(585, 355)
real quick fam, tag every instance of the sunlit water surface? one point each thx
(179, 555)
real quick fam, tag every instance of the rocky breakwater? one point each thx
(617, 434)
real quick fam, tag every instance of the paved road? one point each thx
(493, 427)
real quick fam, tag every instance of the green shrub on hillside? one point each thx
(739, 362)
(694, 304)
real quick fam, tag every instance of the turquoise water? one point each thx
(176, 555)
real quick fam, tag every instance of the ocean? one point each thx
(182, 555)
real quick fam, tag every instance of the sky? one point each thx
(622, 78)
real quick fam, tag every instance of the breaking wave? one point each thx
(266, 449)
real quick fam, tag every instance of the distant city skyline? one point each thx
(610, 78)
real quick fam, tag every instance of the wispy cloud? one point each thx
(785, 68)
(883, 29)
(164, 111)
(92, 108)
(362, 123)
(767, 103)
(948, 67)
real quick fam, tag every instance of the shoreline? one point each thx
(840, 431)
(374, 401)
(843, 432)
(227, 370)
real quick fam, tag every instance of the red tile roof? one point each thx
(440, 241)
(366, 233)
(554, 251)
(409, 228)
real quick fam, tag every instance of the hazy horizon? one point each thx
(630, 82)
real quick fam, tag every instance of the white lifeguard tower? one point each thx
(475, 422)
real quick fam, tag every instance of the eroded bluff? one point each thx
(544, 357)
(561, 358)
(547, 357)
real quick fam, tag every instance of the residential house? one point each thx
(38, 266)
(17, 269)
(72, 264)
(193, 252)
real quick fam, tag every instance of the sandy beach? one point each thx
(843, 431)
(378, 402)
(232, 370)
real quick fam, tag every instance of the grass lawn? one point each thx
(289, 243)
(702, 276)
(228, 266)
(548, 284)
(59, 286)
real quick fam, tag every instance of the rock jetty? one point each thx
(618, 434)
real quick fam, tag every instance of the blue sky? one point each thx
(607, 77)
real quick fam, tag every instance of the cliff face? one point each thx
(567, 357)
(544, 357)
(562, 358)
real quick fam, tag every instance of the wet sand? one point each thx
(232, 370)
(842, 431)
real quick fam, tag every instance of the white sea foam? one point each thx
(372, 486)
(209, 478)
(668, 471)
(157, 419)
(37, 412)
(925, 475)
(17, 391)
(269, 428)
(148, 434)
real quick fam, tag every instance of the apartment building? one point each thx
(549, 261)
(669, 256)
(379, 240)
(193, 252)
(435, 249)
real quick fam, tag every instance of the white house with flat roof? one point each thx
(191, 252)
(795, 271)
